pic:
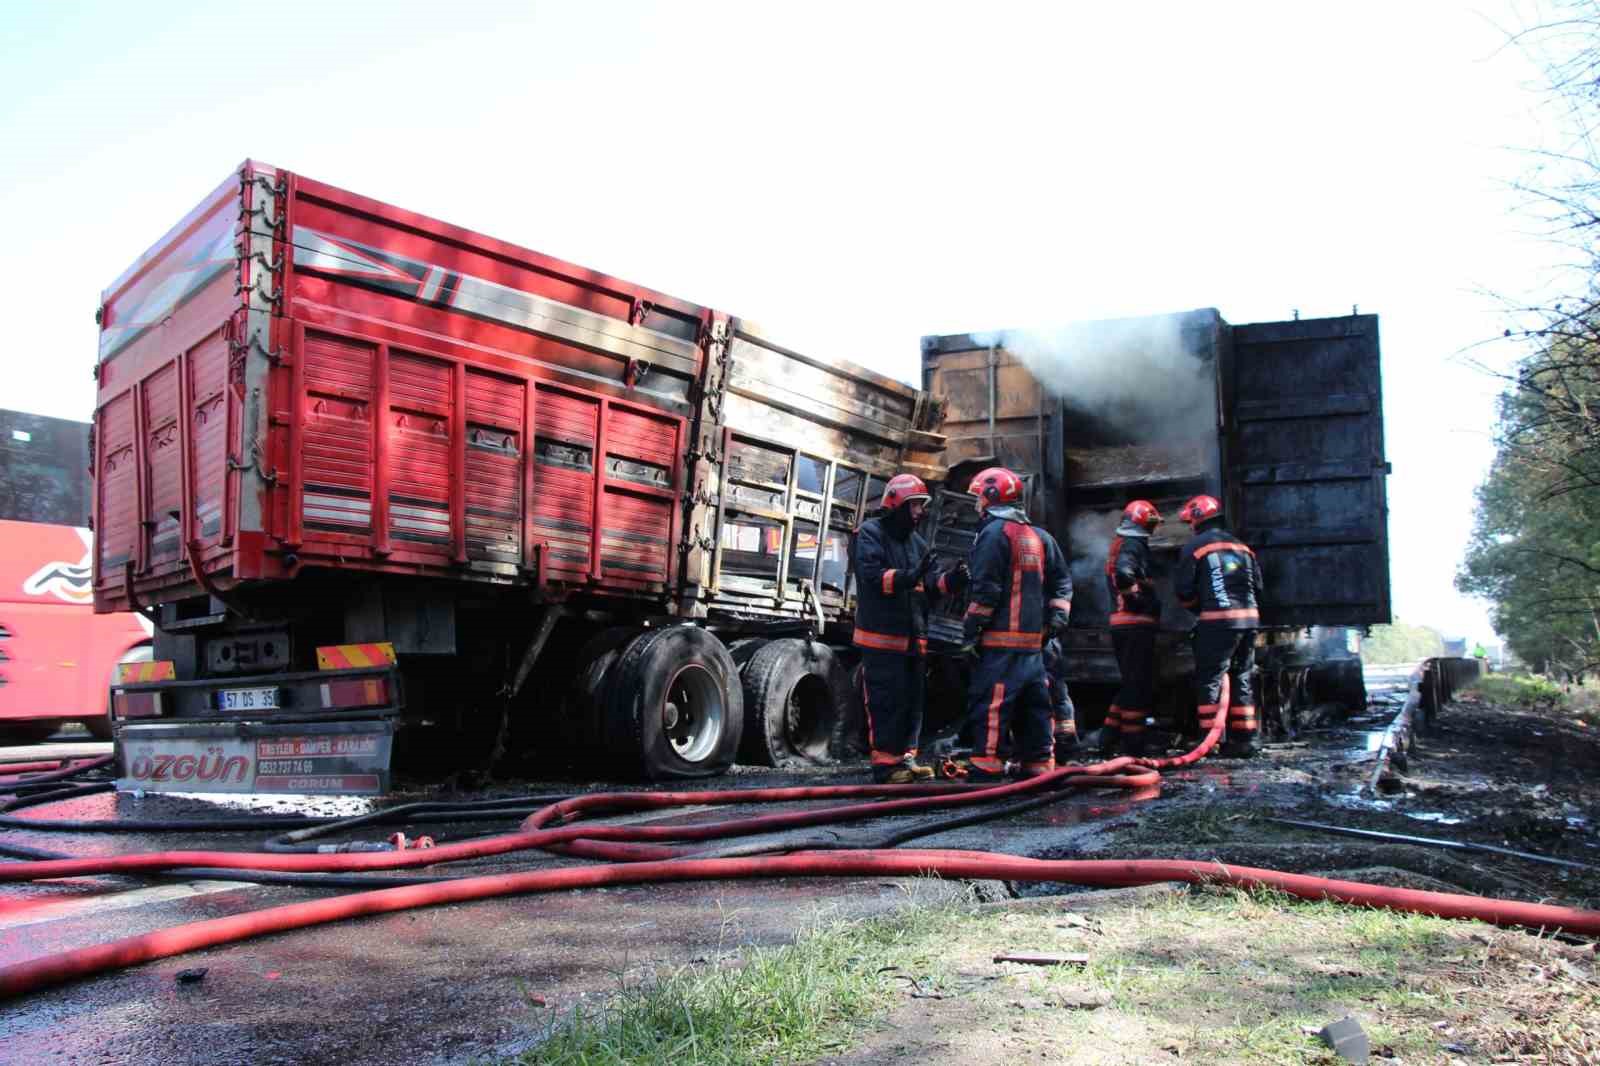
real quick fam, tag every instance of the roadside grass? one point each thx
(1215, 974)
(1523, 691)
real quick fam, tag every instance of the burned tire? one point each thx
(581, 724)
(796, 697)
(674, 706)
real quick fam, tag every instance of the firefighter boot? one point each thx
(1133, 733)
(1111, 733)
(1243, 737)
(905, 772)
(1066, 741)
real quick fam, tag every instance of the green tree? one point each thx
(1401, 643)
(1535, 553)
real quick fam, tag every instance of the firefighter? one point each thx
(895, 581)
(1219, 579)
(1063, 714)
(1135, 615)
(1020, 595)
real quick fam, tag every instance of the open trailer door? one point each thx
(1306, 467)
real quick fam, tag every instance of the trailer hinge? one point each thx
(275, 356)
(636, 371)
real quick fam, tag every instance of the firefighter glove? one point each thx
(1055, 625)
(925, 565)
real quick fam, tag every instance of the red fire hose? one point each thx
(63, 771)
(55, 969)
(645, 862)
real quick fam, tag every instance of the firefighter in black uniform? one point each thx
(1135, 616)
(1062, 712)
(895, 581)
(1021, 594)
(1219, 579)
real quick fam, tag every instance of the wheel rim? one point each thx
(693, 713)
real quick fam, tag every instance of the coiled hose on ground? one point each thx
(641, 853)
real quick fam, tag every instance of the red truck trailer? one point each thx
(381, 481)
(56, 654)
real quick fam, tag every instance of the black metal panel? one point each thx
(44, 469)
(1306, 467)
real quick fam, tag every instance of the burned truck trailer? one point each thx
(1281, 421)
(364, 470)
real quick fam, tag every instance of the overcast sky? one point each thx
(852, 176)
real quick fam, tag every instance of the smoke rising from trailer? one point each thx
(1088, 542)
(1139, 378)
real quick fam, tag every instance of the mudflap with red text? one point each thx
(298, 758)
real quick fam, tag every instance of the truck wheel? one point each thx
(674, 696)
(744, 648)
(581, 726)
(795, 693)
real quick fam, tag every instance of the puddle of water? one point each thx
(1436, 817)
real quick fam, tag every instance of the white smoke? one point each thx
(1140, 376)
(1089, 536)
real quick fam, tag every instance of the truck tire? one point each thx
(745, 647)
(795, 694)
(581, 727)
(673, 700)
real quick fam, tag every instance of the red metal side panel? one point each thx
(562, 514)
(334, 457)
(116, 490)
(496, 408)
(208, 424)
(163, 475)
(421, 402)
(641, 452)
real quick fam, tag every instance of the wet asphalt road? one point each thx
(448, 984)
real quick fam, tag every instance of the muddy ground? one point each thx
(475, 982)
(1523, 779)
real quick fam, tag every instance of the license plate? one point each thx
(247, 699)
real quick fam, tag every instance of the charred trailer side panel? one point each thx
(1281, 421)
(325, 423)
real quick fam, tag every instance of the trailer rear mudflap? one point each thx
(324, 731)
(333, 758)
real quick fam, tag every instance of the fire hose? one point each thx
(639, 855)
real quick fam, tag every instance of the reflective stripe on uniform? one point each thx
(888, 582)
(1131, 618)
(991, 740)
(1249, 613)
(866, 638)
(1222, 546)
(1010, 640)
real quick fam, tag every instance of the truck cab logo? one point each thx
(68, 582)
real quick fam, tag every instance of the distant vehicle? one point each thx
(56, 654)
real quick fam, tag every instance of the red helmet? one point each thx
(903, 488)
(1199, 509)
(996, 485)
(1142, 513)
